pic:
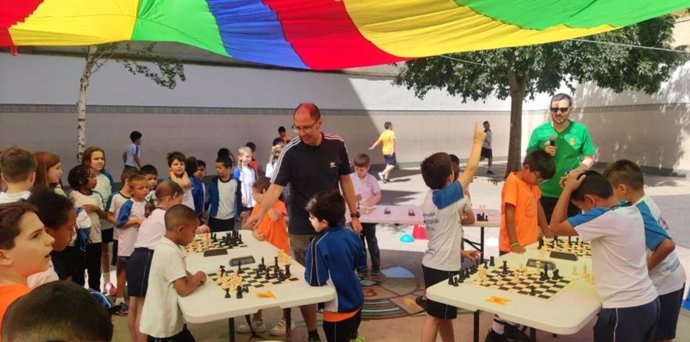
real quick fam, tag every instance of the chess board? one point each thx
(203, 244)
(579, 248)
(252, 279)
(546, 289)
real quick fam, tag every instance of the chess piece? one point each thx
(239, 266)
(492, 261)
(410, 212)
(532, 292)
(450, 281)
(227, 293)
(541, 243)
(387, 211)
(546, 271)
(504, 271)
(239, 292)
(555, 275)
(486, 265)
(275, 262)
(287, 270)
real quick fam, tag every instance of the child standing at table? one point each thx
(333, 256)
(521, 213)
(161, 317)
(663, 264)
(368, 194)
(440, 210)
(630, 304)
(272, 229)
(225, 197)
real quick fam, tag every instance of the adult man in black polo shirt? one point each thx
(313, 162)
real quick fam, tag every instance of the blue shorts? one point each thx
(432, 277)
(138, 268)
(634, 324)
(390, 159)
(668, 319)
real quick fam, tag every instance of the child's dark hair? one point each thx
(625, 172)
(251, 145)
(10, 214)
(41, 316)
(435, 170)
(200, 163)
(223, 152)
(172, 156)
(178, 214)
(281, 129)
(78, 176)
(127, 174)
(53, 209)
(262, 184)
(17, 164)
(362, 160)
(190, 165)
(135, 135)
(148, 169)
(227, 161)
(86, 157)
(277, 141)
(542, 162)
(456, 165)
(388, 125)
(594, 184)
(329, 206)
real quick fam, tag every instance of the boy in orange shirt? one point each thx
(521, 213)
(272, 229)
(25, 248)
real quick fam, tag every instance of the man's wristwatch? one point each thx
(355, 214)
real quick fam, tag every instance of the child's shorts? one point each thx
(633, 324)
(138, 268)
(668, 317)
(107, 235)
(432, 277)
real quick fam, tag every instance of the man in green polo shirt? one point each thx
(570, 145)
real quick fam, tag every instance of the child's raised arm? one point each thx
(473, 160)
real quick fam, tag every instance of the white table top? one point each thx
(400, 214)
(565, 313)
(208, 304)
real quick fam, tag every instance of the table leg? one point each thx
(532, 334)
(481, 243)
(476, 326)
(231, 326)
(288, 323)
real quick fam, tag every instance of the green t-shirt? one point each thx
(571, 145)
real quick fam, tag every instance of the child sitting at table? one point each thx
(334, 256)
(521, 213)
(368, 194)
(440, 210)
(630, 304)
(161, 317)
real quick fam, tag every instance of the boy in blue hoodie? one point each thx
(334, 256)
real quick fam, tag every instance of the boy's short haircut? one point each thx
(10, 214)
(454, 159)
(139, 177)
(17, 164)
(594, 184)
(223, 152)
(225, 160)
(456, 165)
(435, 170)
(329, 206)
(200, 163)
(148, 169)
(53, 209)
(173, 156)
(177, 215)
(78, 176)
(281, 129)
(41, 315)
(128, 173)
(542, 162)
(562, 96)
(625, 172)
(251, 145)
(485, 122)
(190, 165)
(262, 183)
(387, 125)
(362, 160)
(277, 141)
(135, 135)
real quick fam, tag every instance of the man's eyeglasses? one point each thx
(559, 109)
(307, 128)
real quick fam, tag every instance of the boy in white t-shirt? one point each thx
(663, 264)
(630, 304)
(440, 211)
(225, 197)
(18, 172)
(132, 153)
(178, 174)
(368, 194)
(161, 317)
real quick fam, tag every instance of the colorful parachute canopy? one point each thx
(320, 34)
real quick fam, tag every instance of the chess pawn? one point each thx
(574, 274)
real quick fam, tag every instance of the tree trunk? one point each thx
(517, 95)
(81, 104)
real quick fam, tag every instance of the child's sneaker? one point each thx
(381, 177)
(257, 324)
(123, 310)
(357, 339)
(279, 328)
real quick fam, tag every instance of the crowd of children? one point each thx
(51, 240)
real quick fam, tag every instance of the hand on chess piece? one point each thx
(199, 278)
(473, 254)
(202, 229)
(515, 247)
(258, 235)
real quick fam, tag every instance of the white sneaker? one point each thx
(279, 328)
(257, 324)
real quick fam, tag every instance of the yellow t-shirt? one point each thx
(387, 139)
(525, 198)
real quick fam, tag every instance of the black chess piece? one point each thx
(542, 276)
(504, 271)
(546, 272)
(214, 238)
(387, 211)
(287, 271)
(532, 291)
(410, 212)
(555, 275)
(239, 238)
(541, 243)
(450, 281)
(553, 242)
(492, 262)
(227, 293)
(239, 266)
(239, 292)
